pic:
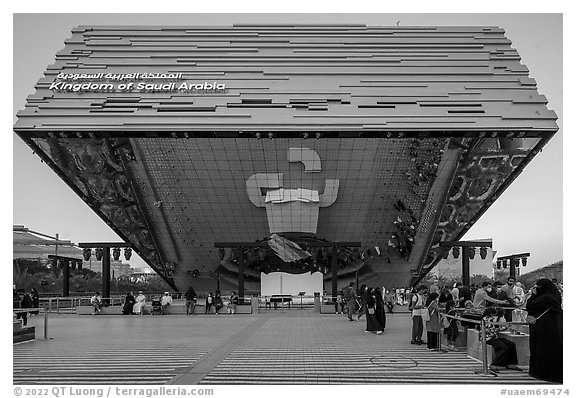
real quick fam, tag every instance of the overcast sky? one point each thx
(526, 218)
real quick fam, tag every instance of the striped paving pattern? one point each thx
(280, 347)
(334, 351)
(116, 350)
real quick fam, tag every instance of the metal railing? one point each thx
(45, 324)
(482, 322)
(287, 301)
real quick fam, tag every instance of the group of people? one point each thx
(369, 302)
(495, 305)
(135, 305)
(23, 299)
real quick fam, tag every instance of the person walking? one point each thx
(35, 300)
(433, 323)
(191, 298)
(351, 301)
(380, 312)
(342, 302)
(389, 301)
(209, 302)
(418, 306)
(544, 308)
(96, 302)
(233, 304)
(363, 296)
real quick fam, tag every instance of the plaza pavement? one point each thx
(272, 347)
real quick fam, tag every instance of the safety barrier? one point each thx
(31, 328)
(287, 301)
(482, 322)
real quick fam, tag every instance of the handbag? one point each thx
(371, 311)
(532, 320)
(425, 315)
(445, 321)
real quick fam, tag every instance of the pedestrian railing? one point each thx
(483, 324)
(283, 301)
(37, 310)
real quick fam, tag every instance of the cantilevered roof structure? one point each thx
(180, 137)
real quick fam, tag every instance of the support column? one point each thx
(240, 277)
(513, 267)
(65, 278)
(218, 280)
(106, 274)
(465, 266)
(334, 272)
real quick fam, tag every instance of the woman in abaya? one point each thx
(372, 324)
(545, 305)
(380, 313)
(128, 308)
(363, 293)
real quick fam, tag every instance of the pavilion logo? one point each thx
(132, 82)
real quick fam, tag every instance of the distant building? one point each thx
(31, 245)
(117, 268)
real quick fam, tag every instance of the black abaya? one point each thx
(546, 361)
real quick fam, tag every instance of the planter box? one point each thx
(327, 309)
(173, 309)
(474, 347)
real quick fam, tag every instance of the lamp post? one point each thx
(105, 247)
(514, 261)
(468, 252)
(65, 261)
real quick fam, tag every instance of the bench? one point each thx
(22, 333)
(173, 309)
(327, 309)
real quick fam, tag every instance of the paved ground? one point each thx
(283, 346)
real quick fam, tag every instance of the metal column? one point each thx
(465, 265)
(513, 267)
(65, 278)
(240, 277)
(334, 271)
(106, 274)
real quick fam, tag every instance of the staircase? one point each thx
(22, 333)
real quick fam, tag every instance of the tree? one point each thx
(501, 275)
(477, 279)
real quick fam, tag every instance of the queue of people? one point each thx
(495, 304)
